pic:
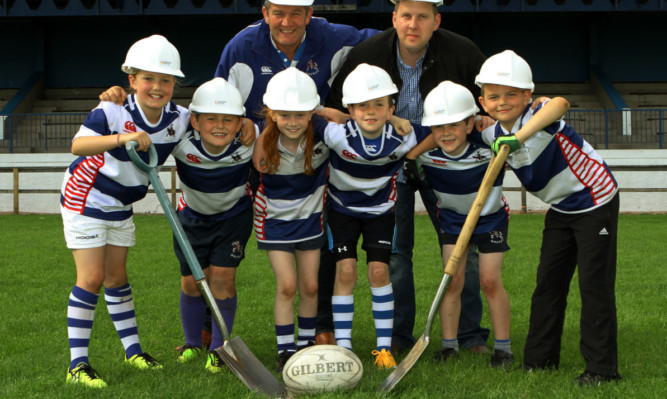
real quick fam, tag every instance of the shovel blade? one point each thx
(405, 366)
(238, 357)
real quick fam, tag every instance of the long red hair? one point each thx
(272, 134)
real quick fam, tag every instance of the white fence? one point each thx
(30, 183)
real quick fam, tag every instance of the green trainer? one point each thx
(143, 361)
(214, 363)
(85, 375)
(187, 353)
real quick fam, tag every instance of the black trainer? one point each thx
(283, 357)
(444, 354)
(589, 378)
(502, 359)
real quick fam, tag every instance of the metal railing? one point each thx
(603, 129)
(51, 132)
(628, 128)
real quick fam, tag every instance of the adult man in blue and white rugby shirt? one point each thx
(288, 35)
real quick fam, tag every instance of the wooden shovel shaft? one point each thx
(495, 166)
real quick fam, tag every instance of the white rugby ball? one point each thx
(322, 368)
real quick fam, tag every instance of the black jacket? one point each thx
(449, 57)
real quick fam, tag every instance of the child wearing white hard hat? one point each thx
(97, 194)
(455, 170)
(289, 205)
(558, 166)
(215, 211)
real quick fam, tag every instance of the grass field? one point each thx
(38, 274)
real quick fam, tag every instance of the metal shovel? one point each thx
(495, 166)
(234, 352)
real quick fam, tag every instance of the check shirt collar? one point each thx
(410, 103)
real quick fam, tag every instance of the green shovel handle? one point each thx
(131, 148)
(176, 226)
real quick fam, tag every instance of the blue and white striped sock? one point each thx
(343, 313)
(285, 337)
(383, 315)
(306, 331)
(80, 316)
(121, 309)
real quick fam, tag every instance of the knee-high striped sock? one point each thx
(80, 316)
(228, 310)
(285, 337)
(121, 309)
(306, 331)
(343, 313)
(383, 315)
(193, 310)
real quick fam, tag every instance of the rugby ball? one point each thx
(321, 368)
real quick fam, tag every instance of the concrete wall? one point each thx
(641, 190)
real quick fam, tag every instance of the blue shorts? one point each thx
(308, 245)
(215, 242)
(490, 242)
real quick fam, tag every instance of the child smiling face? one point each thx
(217, 130)
(153, 90)
(504, 103)
(453, 137)
(372, 115)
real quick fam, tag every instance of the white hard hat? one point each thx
(448, 102)
(291, 90)
(303, 3)
(507, 69)
(436, 2)
(367, 82)
(153, 54)
(217, 96)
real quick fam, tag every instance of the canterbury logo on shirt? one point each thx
(348, 155)
(130, 127)
(193, 158)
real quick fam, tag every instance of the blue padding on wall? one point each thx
(20, 95)
(609, 88)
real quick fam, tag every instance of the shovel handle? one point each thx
(131, 148)
(177, 227)
(495, 166)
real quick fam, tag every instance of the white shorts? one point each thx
(86, 232)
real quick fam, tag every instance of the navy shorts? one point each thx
(378, 233)
(490, 242)
(215, 242)
(307, 245)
